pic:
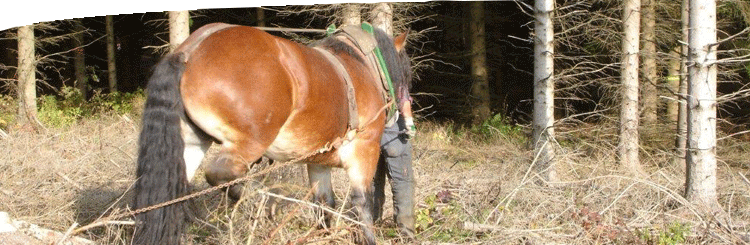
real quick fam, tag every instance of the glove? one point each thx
(411, 129)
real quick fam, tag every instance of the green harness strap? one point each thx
(381, 62)
(330, 30)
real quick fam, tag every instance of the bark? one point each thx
(351, 14)
(544, 86)
(260, 16)
(111, 67)
(79, 63)
(701, 155)
(27, 109)
(179, 28)
(480, 91)
(673, 86)
(628, 148)
(382, 17)
(681, 137)
(648, 57)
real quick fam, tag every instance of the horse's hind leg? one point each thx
(232, 164)
(196, 144)
(361, 163)
(320, 179)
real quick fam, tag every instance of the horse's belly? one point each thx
(294, 146)
(285, 147)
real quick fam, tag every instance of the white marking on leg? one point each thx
(321, 175)
(195, 149)
(193, 157)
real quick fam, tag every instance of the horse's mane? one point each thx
(337, 46)
(399, 65)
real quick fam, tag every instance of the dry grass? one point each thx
(471, 189)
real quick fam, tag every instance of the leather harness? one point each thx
(367, 44)
(353, 115)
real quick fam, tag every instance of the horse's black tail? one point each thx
(161, 167)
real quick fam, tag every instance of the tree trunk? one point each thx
(27, 110)
(649, 95)
(681, 137)
(701, 155)
(628, 148)
(351, 14)
(81, 81)
(179, 28)
(111, 68)
(673, 85)
(480, 91)
(260, 16)
(544, 87)
(382, 17)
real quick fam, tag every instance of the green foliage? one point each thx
(117, 102)
(734, 11)
(499, 126)
(423, 217)
(442, 220)
(54, 112)
(70, 106)
(675, 234)
(8, 107)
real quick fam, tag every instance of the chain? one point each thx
(105, 220)
(327, 147)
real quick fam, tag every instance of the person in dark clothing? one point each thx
(395, 163)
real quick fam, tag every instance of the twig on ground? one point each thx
(65, 177)
(326, 209)
(471, 226)
(512, 194)
(677, 197)
(617, 198)
(744, 179)
(67, 233)
(289, 215)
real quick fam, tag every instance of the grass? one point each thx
(470, 189)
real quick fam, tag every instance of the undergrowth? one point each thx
(70, 106)
(500, 126)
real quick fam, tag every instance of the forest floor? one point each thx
(473, 187)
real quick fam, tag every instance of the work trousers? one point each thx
(395, 163)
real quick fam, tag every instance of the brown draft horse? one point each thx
(259, 95)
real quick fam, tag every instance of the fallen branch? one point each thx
(744, 179)
(476, 227)
(49, 236)
(3, 134)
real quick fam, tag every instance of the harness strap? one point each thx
(363, 37)
(365, 41)
(353, 115)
